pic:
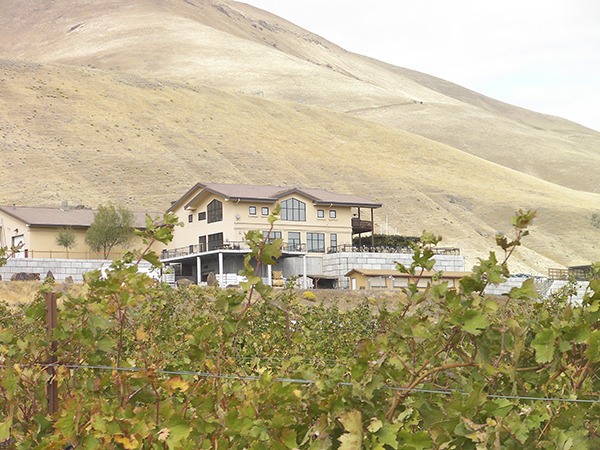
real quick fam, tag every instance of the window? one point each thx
(320, 214)
(377, 282)
(202, 215)
(202, 243)
(333, 243)
(274, 235)
(190, 218)
(264, 211)
(332, 214)
(214, 211)
(294, 244)
(215, 241)
(294, 210)
(315, 242)
(252, 210)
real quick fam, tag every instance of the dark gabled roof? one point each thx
(62, 217)
(264, 193)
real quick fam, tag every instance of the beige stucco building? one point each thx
(216, 217)
(36, 230)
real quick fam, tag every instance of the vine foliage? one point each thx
(143, 365)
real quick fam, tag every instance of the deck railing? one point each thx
(388, 249)
(293, 247)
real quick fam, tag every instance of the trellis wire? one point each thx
(209, 375)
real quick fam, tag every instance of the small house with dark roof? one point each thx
(216, 217)
(35, 229)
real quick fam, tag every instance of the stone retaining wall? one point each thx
(60, 268)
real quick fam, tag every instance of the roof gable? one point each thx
(268, 194)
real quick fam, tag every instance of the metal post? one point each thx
(372, 233)
(52, 383)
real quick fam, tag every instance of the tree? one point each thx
(112, 226)
(66, 238)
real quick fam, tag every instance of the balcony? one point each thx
(237, 246)
(361, 226)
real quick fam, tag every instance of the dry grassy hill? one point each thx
(136, 102)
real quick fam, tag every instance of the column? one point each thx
(221, 280)
(198, 270)
(269, 275)
(304, 275)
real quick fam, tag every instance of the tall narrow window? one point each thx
(294, 244)
(315, 242)
(202, 243)
(333, 243)
(214, 211)
(294, 210)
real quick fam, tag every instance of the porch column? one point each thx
(198, 270)
(304, 277)
(221, 268)
(269, 275)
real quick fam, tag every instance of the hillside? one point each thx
(136, 102)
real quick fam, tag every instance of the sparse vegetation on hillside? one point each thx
(245, 96)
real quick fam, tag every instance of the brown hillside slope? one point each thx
(90, 136)
(239, 48)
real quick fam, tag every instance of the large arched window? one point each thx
(293, 209)
(214, 211)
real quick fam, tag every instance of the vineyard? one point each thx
(134, 364)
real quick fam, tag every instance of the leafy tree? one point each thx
(66, 238)
(112, 226)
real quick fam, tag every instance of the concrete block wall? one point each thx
(554, 287)
(60, 268)
(580, 288)
(339, 264)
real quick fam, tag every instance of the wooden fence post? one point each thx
(52, 384)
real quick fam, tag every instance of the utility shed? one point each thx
(393, 279)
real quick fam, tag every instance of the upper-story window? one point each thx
(252, 210)
(264, 211)
(332, 214)
(190, 218)
(214, 211)
(293, 209)
(320, 214)
(202, 215)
